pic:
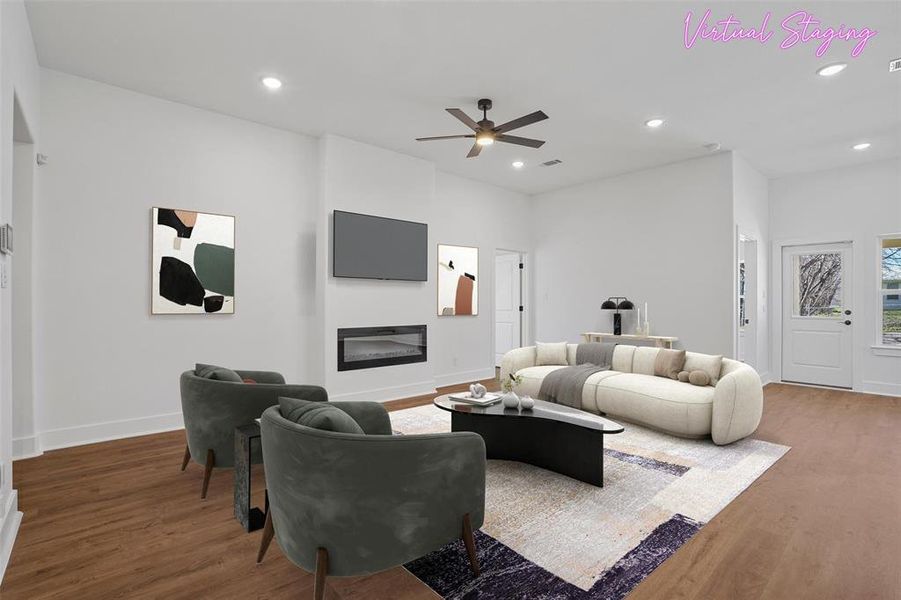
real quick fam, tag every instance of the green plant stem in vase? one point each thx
(511, 382)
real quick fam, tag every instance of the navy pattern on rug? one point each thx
(508, 575)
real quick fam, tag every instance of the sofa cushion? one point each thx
(550, 354)
(318, 415)
(217, 373)
(571, 350)
(711, 364)
(532, 378)
(662, 403)
(669, 363)
(590, 390)
(644, 359)
(622, 358)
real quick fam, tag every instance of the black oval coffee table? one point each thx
(551, 436)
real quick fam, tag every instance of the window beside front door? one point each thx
(890, 298)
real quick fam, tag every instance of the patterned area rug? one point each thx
(547, 536)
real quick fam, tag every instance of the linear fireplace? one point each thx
(369, 347)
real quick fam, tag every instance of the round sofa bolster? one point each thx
(516, 359)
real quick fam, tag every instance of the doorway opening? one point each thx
(19, 267)
(748, 326)
(509, 309)
(817, 315)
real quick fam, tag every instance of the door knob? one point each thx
(847, 312)
(848, 322)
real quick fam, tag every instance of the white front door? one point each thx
(507, 300)
(817, 319)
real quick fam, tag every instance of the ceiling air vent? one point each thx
(551, 163)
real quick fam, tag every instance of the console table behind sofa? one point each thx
(659, 341)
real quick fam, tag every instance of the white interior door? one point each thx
(816, 314)
(507, 300)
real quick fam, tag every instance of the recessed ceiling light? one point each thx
(272, 83)
(518, 164)
(654, 123)
(861, 146)
(830, 70)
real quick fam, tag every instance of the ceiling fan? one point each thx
(485, 133)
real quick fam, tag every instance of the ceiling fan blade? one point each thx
(521, 122)
(443, 137)
(464, 118)
(521, 141)
(474, 151)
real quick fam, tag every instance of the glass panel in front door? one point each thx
(817, 284)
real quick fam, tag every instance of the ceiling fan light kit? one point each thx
(485, 133)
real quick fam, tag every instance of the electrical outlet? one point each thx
(4, 278)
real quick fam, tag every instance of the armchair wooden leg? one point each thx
(268, 532)
(207, 471)
(321, 571)
(470, 542)
(186, 459)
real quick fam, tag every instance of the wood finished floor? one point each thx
(118, 520)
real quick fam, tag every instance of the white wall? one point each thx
(361, 178)
(752, 215)
(107, 367)
(662, 236)
(855, 203)
(18, 80)
(469, 213)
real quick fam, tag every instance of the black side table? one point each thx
(251, 518)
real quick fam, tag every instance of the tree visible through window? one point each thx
(819, 283)
(891, 284)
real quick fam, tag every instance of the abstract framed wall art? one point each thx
(193, 262)
(458, 287)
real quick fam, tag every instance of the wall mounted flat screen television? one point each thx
(370, 247)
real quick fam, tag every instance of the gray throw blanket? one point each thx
(595, 353)
(564, 386)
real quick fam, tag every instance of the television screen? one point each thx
(369, 247)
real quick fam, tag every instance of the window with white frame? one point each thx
(890, 292)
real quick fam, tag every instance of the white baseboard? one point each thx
(9, 528)
(882, 388)
(420, 388)
(26, 447)
(111, 430)
(878, 388)
(464, 377)
(766, 378)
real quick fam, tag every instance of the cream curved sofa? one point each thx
(726, 412)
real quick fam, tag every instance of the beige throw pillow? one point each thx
(669, 363)
(550, 354)
(710, 364)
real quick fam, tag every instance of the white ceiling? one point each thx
(383, 73)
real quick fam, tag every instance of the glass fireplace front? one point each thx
(369, 347)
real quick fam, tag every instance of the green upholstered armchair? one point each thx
(349, 504)
(212, 409)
